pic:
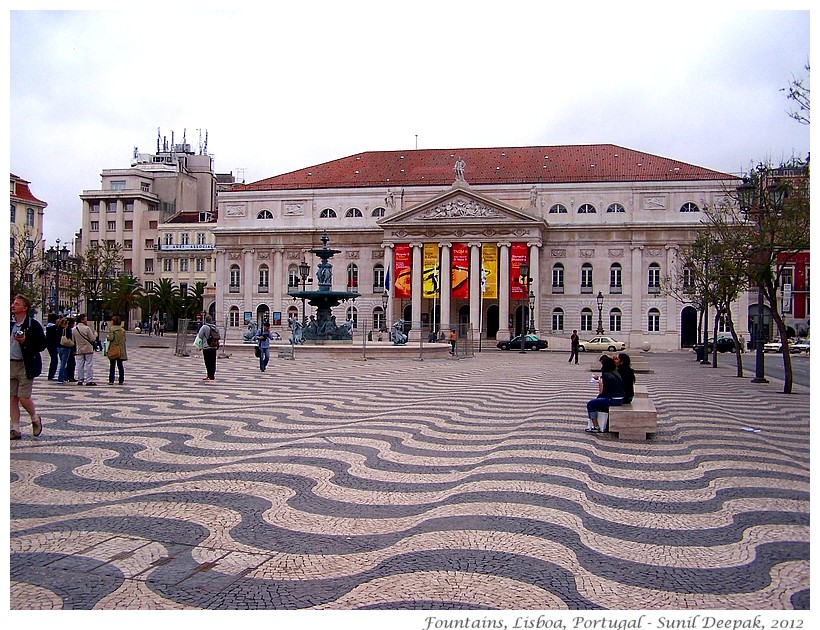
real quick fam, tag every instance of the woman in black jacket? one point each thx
(610, 393)
(627, 374)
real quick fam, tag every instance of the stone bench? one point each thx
(641, 391)
(635, 420)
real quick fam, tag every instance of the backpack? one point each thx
(213, 337)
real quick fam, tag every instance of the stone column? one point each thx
(278, 283)
(535, 274)
(503, 292)
(446, 284)
(636, 292)
(220, 269)
(475, 288)
(672, 313)
(415, 292)
(248, 281)
(388, 269)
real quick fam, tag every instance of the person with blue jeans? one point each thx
(263, 339)
(610, 394)
(64, 352)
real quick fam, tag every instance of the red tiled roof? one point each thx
(22, 191)
(499, 165)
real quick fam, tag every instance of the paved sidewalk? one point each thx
(406, 484)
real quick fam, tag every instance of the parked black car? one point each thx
(725, 343)
(531, 342)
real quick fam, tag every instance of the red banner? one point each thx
(402, 270)
(460, 272)
(519, 253)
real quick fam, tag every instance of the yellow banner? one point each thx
(431, 273)
(489, 270)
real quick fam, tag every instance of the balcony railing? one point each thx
(262, 288)
(616, 289)
(233, 288)
(654, 290)
(557, 288)
(586, 289)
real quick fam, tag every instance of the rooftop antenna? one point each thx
(417, 141)
(205, 148)
(184, 131)
(240, 175)
(159, 137)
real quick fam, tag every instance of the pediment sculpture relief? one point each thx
(461, 208)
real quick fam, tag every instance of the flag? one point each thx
(387, 280)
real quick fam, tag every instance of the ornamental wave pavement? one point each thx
(406, 484)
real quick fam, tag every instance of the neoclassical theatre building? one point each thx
(445, 233)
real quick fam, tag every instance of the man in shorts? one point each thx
(28, 340)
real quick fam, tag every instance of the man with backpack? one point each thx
(209, 337)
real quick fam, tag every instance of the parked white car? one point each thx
(601, 344)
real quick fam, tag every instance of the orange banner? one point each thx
(519, 253)
(460, 271)
(403, 270)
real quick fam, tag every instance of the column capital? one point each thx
(504, 244)
(474, 244)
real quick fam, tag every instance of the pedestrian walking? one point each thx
(84, 351)
(452, 339)
(28, 340)
(208, 341)
(575, 344)
(116, 351)
(65, 348)
(263, 347)
(53, 333)
(610, 394)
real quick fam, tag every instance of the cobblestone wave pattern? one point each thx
(401, 484)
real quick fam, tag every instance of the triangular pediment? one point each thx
(462, 205)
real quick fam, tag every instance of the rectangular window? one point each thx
(112, 225)
(183, 264)
(586, 322)
(152, 225)
(200, 238)
(200, 264)
(145, 187)
(128, 244)
(614, 322)
(183, 289)
(184, 238)
(233, 317)
(149, 265)
(149, 243)
(118, 185)
(95, 226)
(128, 206)
(129, 225)
(167, 264)
(149, 286)
(654, 321)
(112, 206)
(94, 206)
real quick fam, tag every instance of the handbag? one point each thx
(114, 352)
(66, 341)
(257, 352)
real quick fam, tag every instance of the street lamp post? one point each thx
(752, 199)
(600, 300)
(385, 299)
(57, 258)
(531, 300)
(524, 279)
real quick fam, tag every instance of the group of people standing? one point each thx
(71, 344)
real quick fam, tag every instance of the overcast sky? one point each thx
(283, 88)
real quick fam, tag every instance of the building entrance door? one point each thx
(688, 327)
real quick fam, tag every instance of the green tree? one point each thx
(123, 295)
(96, 270)
(165, 298)
(193, 302)
(25, 263)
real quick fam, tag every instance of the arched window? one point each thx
(654, 281)
(352, 313)
(353, 213)
(586, 208)
(264, 214)
(264, 278)
(293, 311)
(558, 278)
(233, 316)
(352, 277)
(13, 213)
(30, 217)
(653, 323)
(557, 320)
(689, 207)
(586, 320)
(377, 212)
(615, 207)
(327, 213)
(379, 319)
(558, 208)
(615, 278)
(378, 278)
(615, 317)
(688, 279)
(233, 282)
(586, 278)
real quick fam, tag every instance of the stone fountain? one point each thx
(323, 326)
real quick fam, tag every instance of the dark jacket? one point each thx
(53, 334)
(34, 344)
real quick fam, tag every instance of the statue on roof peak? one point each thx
(459, 169)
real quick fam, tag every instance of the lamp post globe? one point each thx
(600, 300)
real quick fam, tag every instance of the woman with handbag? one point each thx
(65, 348)
(116, 349)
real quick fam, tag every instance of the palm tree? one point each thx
(194, 300)
(124, 294)
(165, 298)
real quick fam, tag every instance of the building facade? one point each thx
(160, 211)
(594, 224)
(26, 234)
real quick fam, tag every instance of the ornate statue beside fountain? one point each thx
(397, 336)
(297, 336)
(323, 326)
(249, 336)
